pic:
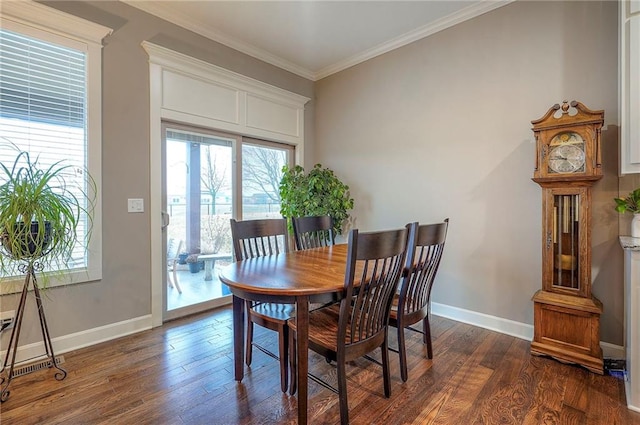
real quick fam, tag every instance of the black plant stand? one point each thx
(10, 357)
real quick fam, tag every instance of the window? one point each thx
(202, 186)
(262, 164)
(50, 103)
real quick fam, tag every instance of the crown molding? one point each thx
(465, 14)
(42, 17)
(161, 10)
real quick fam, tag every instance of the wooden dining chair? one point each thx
(313, 231)
(358, 324)
(258, 238)
(413, 302)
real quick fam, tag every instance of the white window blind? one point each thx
(43, 92)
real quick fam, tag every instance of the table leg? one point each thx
(208, 268)
(238, 337)
(302, 325)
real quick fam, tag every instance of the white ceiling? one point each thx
(315, 39)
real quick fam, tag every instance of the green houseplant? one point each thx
(41, 210)
(318, 192)
(629, 204)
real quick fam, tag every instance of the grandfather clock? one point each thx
(568, 163)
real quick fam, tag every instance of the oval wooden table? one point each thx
(298, 277)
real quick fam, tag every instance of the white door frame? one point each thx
(188, 90)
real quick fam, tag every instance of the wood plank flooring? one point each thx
(182, 373)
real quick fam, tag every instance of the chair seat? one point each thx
(323, 326)
(273, 311)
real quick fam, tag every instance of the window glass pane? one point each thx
(261, 174)
(199, 190)
(43, 109)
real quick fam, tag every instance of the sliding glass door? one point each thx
(210, 177)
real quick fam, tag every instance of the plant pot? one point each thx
(194, 267)
(29, 242)
(635, 226)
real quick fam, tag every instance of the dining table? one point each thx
(297, 277)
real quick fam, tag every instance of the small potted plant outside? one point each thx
(41, 211)
(182, 257)
(631, 204)
(320, 192)
(192, 261)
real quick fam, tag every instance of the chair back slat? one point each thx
(313, 231)
(258, 238)
(416, 286)
(375, 261)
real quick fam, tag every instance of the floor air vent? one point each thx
(34, 367)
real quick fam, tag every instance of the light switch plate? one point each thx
(135, 205)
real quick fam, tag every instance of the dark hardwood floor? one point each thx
(182, 373)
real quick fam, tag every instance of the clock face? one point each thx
(566, 153)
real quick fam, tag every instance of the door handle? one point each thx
(166, 219)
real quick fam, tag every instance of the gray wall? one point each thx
(125, 290)
(442, 128)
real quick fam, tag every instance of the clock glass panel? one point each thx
(566, 231)
(566, 153)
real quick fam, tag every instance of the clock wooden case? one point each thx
(568, 163)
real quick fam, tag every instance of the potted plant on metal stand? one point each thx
(42, 209)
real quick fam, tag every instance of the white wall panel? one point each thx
(200, 93)
(205, 99)
(629, 87)
(272, 116)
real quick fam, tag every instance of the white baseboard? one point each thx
(628, 391)
(66, 343)
(498, 324)
(509, 327)
(612, 351)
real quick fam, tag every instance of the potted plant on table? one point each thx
(631, 204)
(320, 192)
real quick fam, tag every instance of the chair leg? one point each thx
(175, 277)
(342, 390)
(293, 366)
(283, 340)
(427, 336)
(249, 346)
(386, 373)
(402, 353)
